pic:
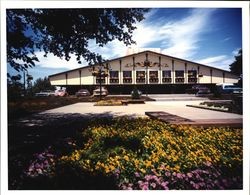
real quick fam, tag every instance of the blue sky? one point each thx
(208, 36)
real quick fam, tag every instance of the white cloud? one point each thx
(179, 38)
(235, 52)
(226, 39)
(182, 37)
(221, 61)
(54, 62)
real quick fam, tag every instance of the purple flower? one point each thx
(189, 175)
(165, 185)
(145, 187)
(168, 174)
(153, 185)
(137, 174)
(148, 177)
(179, 175)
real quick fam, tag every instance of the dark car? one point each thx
(203, 92)
(82, 92)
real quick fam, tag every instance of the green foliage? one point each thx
(29, 30)
(14, 86)
(135, 94)
(42, 84)
(236, 66)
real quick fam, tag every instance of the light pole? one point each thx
(101, 72)
(146, 64)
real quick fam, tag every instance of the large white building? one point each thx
(148, 70)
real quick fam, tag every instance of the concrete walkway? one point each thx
(173, 107)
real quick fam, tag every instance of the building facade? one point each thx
(149, 71)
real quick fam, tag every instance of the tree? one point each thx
(236, 66)
(15, 87)
(42, 84)
(66, 31)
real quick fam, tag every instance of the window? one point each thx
(114, 77)
(166, 73)
(192, 74)
(153, 74)
(153, 77)
(179, 73)
(140, 74)
(127, 74)
(113, 74)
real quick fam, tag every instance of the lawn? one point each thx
(139, 154)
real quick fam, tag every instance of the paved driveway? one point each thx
(173, 107)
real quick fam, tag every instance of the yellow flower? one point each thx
(126, 158)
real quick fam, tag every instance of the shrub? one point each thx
(135, 94)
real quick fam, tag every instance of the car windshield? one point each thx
(231, 87)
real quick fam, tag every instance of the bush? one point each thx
(135, 94)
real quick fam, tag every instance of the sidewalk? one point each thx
(178, 108)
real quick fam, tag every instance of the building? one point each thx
(149, 71)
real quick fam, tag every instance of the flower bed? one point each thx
(148, 154)
(108, 103)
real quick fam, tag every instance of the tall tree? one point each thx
(66, 31)
(236, 66)
(42, 84)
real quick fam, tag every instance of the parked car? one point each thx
(204, 92)
(61, 93)
(98, 90)
(228, 88)
(45, 93)
(82, 92)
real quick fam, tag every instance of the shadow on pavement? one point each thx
(36, 133)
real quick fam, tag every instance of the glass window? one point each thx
(113, 74)
(179, 73)
(127, 74)
(140, 74)
(192, 73)
(166, 73)
(153, 74)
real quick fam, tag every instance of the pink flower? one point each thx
(145, 187)
(153, 185)
(167, 174)
(189, 175)
(137, 174)
(179, 175)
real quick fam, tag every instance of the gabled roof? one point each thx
(147, 51)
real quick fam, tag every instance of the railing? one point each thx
(140, 80)
(192, 80)
(153, 80)
(179, 80)
(98, 80)
(166, 80)
(113, 80)
(127, 80)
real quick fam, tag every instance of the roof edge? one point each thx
(146, 51)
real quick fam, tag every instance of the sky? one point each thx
(210, 36)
